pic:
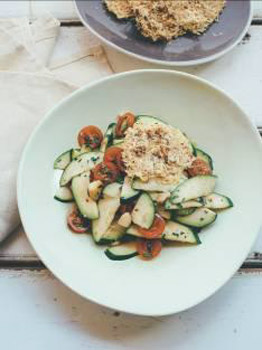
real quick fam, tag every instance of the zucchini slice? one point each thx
(118, 142)
(133, 231)
(179, 233)
(200, 218)
(113, 234)
(122, 252)
(112, 190)
(108, 137)
(217, 201)
(205, 157)
(148, 119)
(183, 212)
(107, 208)
(79, 165)
(153, 185)
(144, 211)
(78, 151)
(194, 187)
(63, 160)
(64, 194)
(194, 203)
(192, 148)
(87, 206)
(128, 193)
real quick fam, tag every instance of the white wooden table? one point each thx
(38, 312)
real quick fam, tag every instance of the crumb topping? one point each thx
(156, 151)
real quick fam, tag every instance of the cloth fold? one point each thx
(33, 78)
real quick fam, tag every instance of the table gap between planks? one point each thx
(16, 252)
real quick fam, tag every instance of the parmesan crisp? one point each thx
(156, 151)
(168, 19)
(121, 8)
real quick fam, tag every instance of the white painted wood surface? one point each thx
(62, 9)
(38, 312)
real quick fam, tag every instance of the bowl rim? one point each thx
(188, 63)
(49, 115)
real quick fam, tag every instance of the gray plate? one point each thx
(186, 50)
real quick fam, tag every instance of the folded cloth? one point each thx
(30, 86)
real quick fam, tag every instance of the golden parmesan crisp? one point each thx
(156, 151)
(168, 19)
(121, 8)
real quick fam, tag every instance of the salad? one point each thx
(140, 186)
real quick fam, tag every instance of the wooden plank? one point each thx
(44, 313)
(257, 9)
(16, 8)
(62, 10)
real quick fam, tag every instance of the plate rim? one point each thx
(188, 63)
(23, 214)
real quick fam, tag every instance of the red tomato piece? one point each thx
(77, 223)
(90, 136)
(149, 248)
(156, 230)
(106, 172)
(114, 155)
(123, 123)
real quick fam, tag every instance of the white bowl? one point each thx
(181, 277)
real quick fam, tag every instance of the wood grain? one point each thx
(38, 312)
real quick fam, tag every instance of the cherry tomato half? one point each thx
(123, 123)
(156, 230)
(90, 136)
(114, 155)
(77, 223)
(106, 172)
(199, 167)
(149, 248)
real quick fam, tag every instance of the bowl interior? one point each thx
(181, 276)
(185, 50)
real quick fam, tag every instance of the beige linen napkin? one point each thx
(30, 84)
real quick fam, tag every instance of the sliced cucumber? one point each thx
(194, 203)
(107, 209)
(122, 252)
(112, 190)
(133, 231)
(217, 201)
(108, 137)
(192, 148)
(113, 234)
(80, 164)
(64, 194)
(179, 233)
(205, 157)
(63, 160)
(118, 142)
(144, 211)
(78, 151)
(153, 185)
(183, 212)
(148, 119)
(200, 218)
(128, 193)
(87, 206)
(194, 187)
